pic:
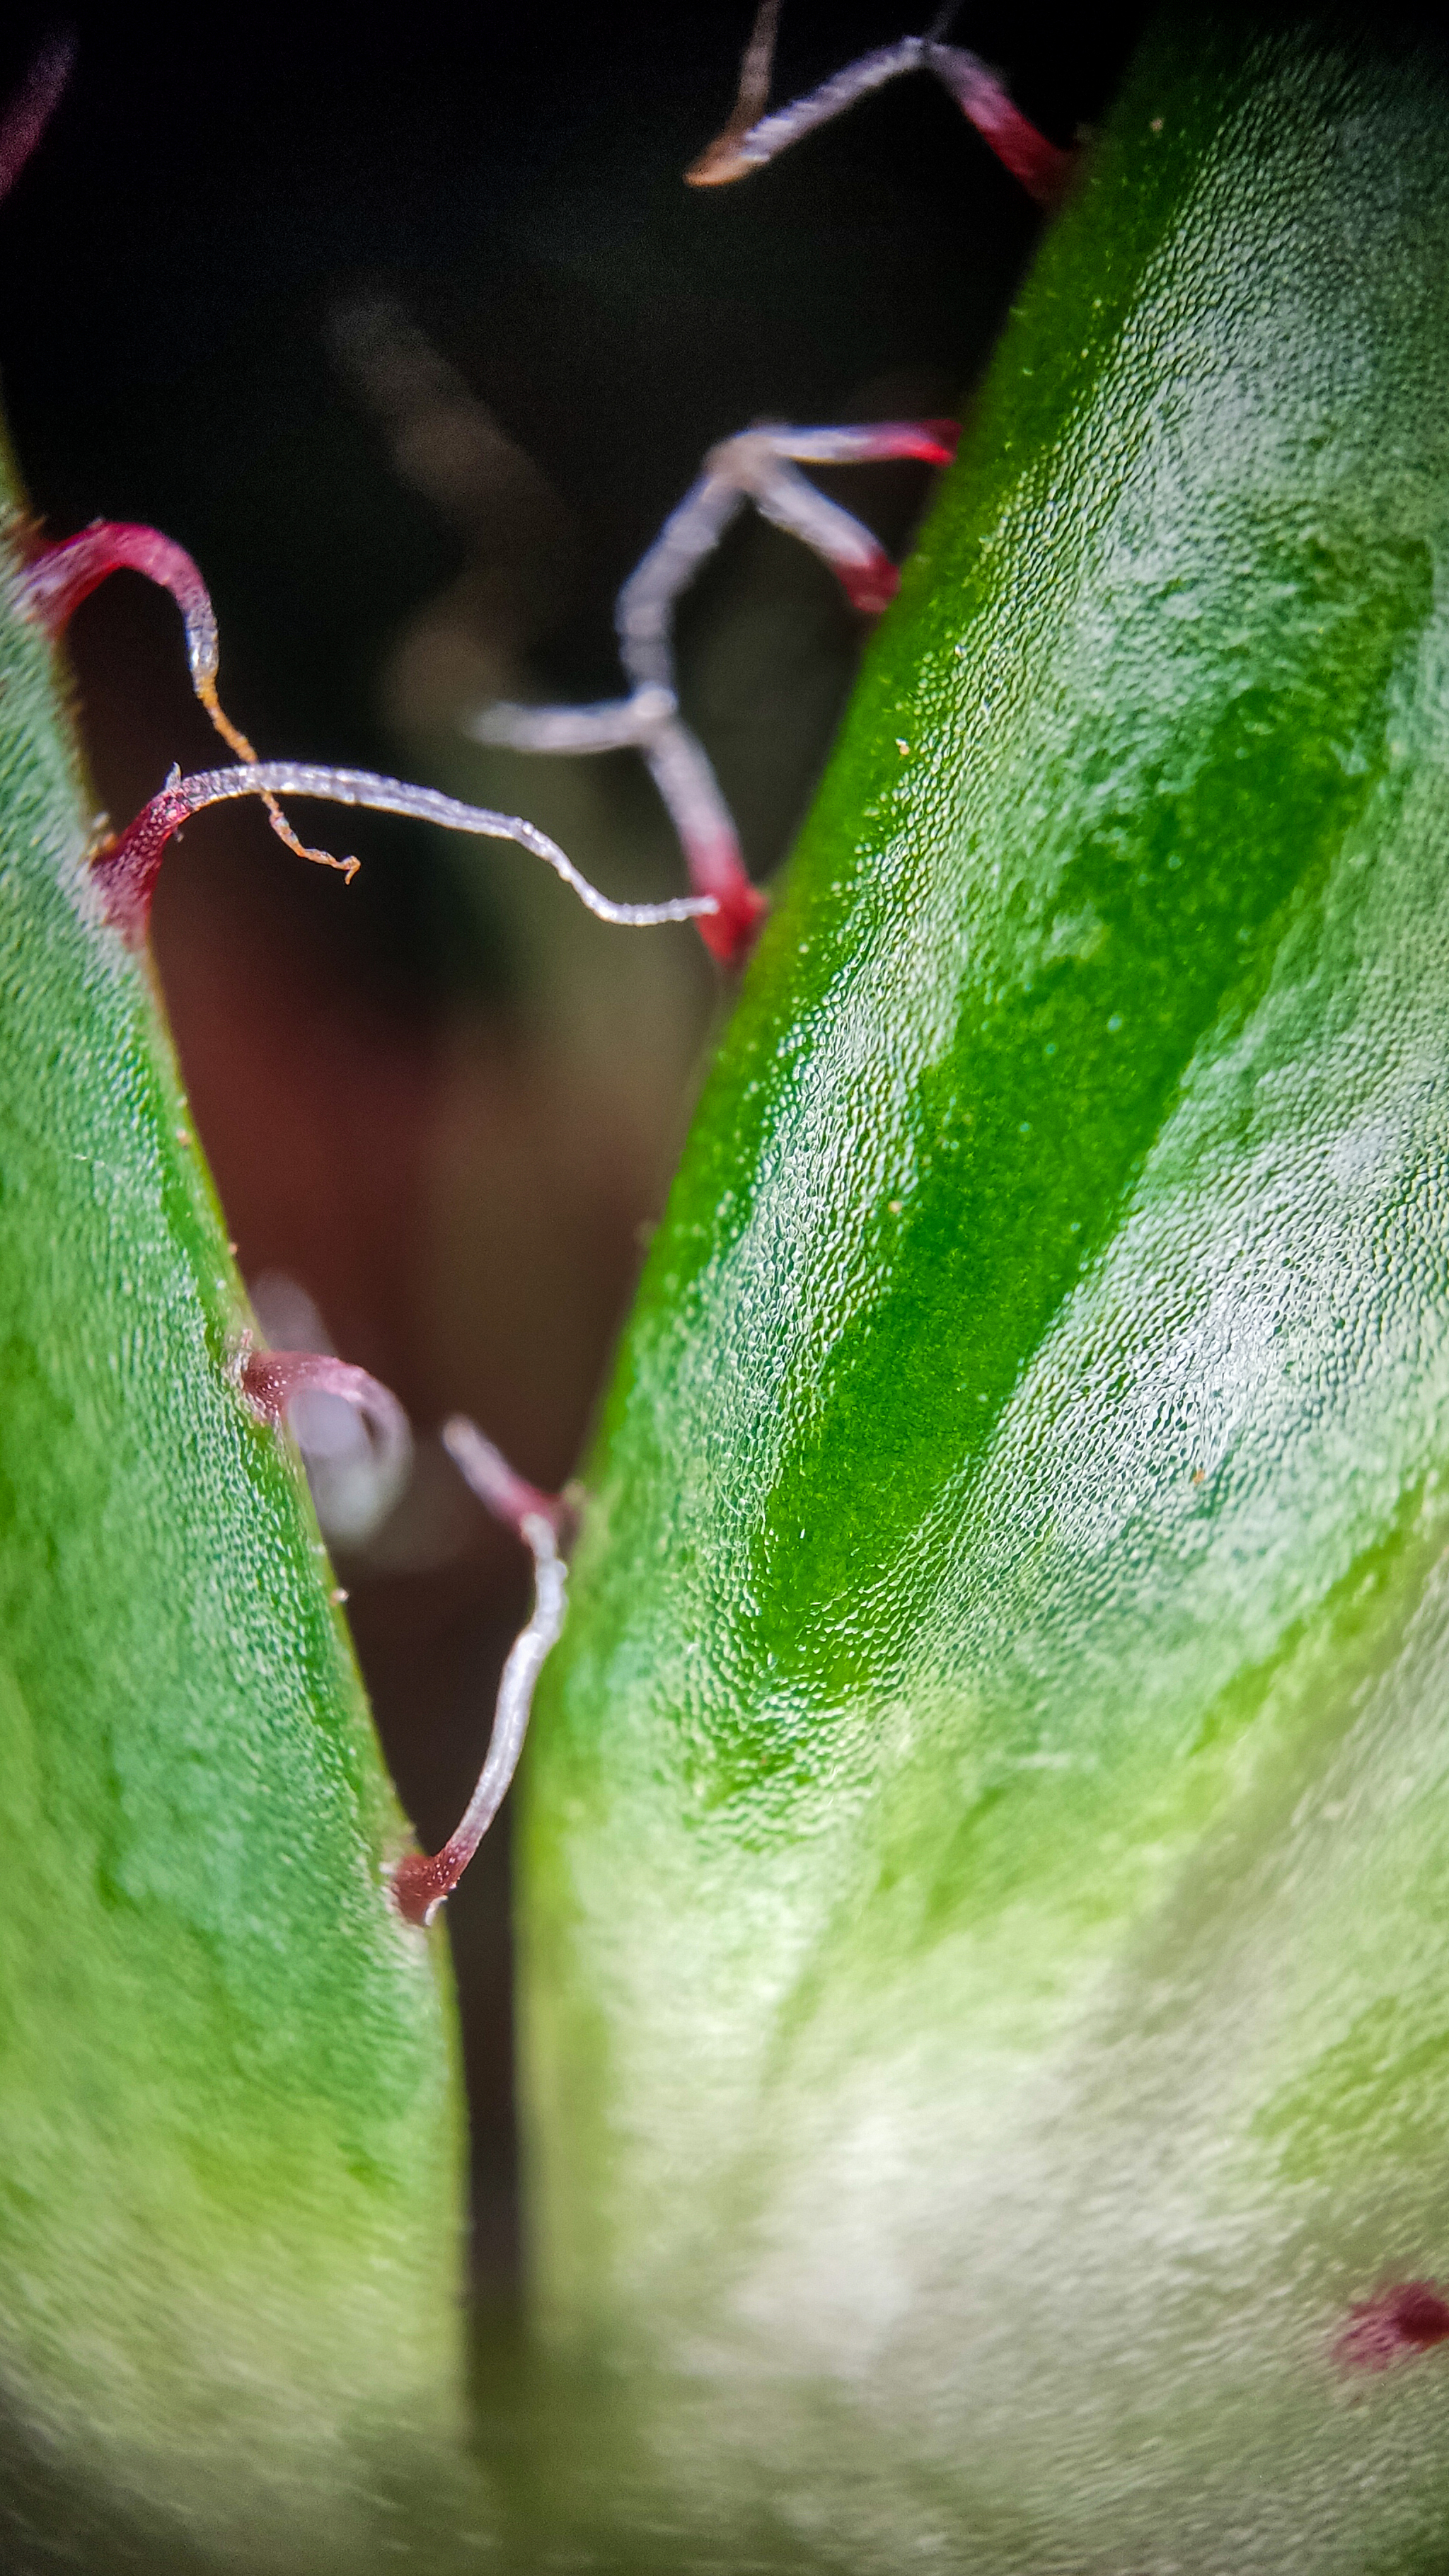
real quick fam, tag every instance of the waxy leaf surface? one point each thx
(229, 2188)
(987, 1892)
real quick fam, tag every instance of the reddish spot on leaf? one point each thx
(1408, 2318)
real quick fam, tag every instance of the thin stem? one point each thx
(681, 770)
(734, 152)
(644, 610)
(929, 442)
(1019, 146)
(619, 724)
(420, 1882)
(127, 870)
(271, 1381)
(755, 466)
(859, 562)
(757, 66)
(1016, 142)
(64, 575)
(507, 1495)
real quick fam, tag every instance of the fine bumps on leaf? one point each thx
(985, 1941)
(985, 1931)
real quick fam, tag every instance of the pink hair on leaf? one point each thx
(269, 1381)
(758, 465)
(929, 442)
(55, 584)
(127, 868)
(1042, 168)
(422, 1881)
(65, 574)
(730, 931)
(499, 1487)
(750, 138)
(763, 462)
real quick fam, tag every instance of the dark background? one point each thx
(411, 332)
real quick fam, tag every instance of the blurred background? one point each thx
(411, 332)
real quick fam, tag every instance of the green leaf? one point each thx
(230, 2196)
(987, 1865)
